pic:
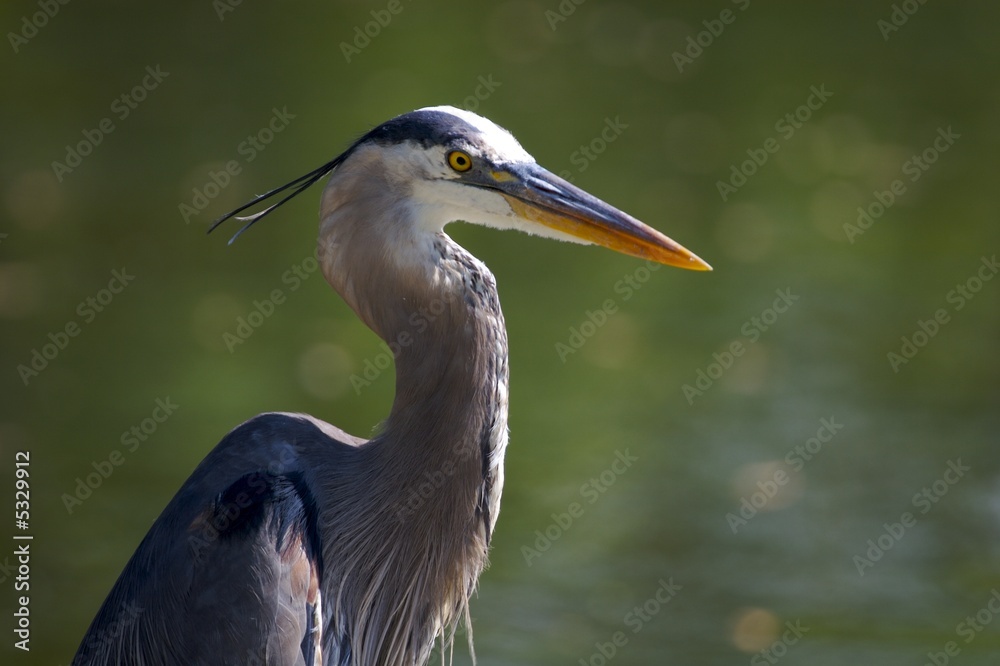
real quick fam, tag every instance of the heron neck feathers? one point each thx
(440, 452)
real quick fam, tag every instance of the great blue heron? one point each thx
(296, 543)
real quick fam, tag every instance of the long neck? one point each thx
(449, 416)
(432, 478)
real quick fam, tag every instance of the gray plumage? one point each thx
(296, 543)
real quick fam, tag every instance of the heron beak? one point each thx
(538, 195)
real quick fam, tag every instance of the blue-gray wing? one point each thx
(231, 572)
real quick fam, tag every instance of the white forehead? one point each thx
(500, 140)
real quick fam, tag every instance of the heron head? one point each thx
(455, 165)
(446, 164)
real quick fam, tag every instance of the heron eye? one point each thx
(459, 161)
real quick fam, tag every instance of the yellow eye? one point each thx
(459, 161)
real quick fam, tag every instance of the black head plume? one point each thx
(424, 127)
(298, 186)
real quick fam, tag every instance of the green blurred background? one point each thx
(698, 456)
